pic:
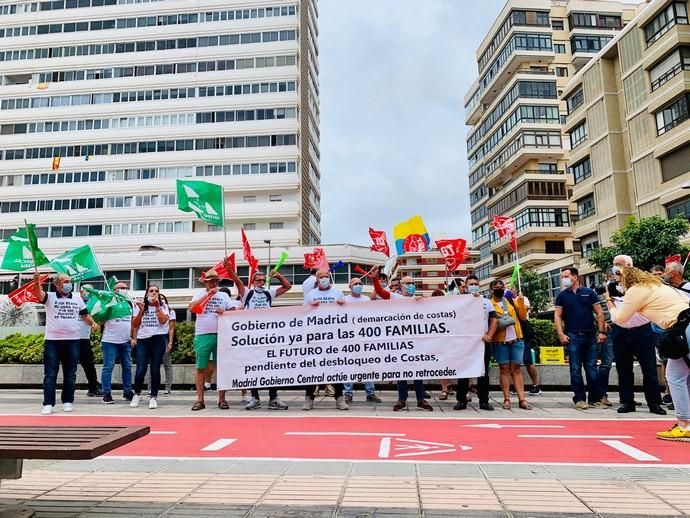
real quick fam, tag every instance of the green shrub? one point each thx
(545, 334)
(183, 343)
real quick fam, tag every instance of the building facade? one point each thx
(516, 152)
(429, 269)
(105, 103)
(630, 107)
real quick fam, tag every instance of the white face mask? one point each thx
(567, 283)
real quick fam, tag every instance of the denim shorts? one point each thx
(508, 353)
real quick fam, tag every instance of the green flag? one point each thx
(203, 198)
(106, 305)
(79, 264)
(21, 249)
(514, 277)
(112, 282)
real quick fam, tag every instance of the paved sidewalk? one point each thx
(170, 487)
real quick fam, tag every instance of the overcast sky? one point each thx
(393, 75)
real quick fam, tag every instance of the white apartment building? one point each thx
(133, 94)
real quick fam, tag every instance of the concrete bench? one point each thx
(56, 443)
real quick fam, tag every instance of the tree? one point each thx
(536, 288)
(648, 241)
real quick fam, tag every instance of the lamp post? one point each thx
(268, 268)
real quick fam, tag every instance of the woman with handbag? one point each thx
(507, 346)
(667, 308)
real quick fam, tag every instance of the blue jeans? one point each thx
(111, 352)
(418, 390)
(368, 388)
(149, 350)
(582, 352)
(56, 352)
(606, 358)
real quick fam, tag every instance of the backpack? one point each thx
(251, 294)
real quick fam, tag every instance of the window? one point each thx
(249, 199)
(559, 48)
(249, 226)
(675, 163)
(575, 100)
(585, 207)
(581, 171)
(675, 13)
(554, 247)
(681, 208)
(591, 44)
(276, 225)
(672, 115)
(562, 71)
(578, 135)
(670, 66)
(275, 197)
(169, 279)
(557, 24)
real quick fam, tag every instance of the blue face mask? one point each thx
(67, 287)
(324, 282)
(411, 289)
(473, 289)
(357, 289)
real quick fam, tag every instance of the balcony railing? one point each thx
(525, 253)
(667, 76)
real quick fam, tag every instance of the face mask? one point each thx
(667, 277)
(85, 297)
(616, 270)
(124, 293)
(384, 284)
(473, 289)
(67, 287)
(567, 283)
(357, 289)
(150, 299)
(324, 282)
(498, 293)
(411, 289)
(259, 289)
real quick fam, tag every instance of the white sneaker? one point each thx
(341, 404)
(153, 404)
(308, 403)
(67, 407)
(253, 404)
(47, 410)
(136, 399)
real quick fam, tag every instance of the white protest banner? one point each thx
(432, 338)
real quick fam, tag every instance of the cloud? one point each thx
(393, 74)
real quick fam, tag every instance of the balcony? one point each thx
(517, 154)
(531, 257)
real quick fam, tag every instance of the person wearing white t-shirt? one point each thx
(115, 343)
(167, 356)
(64, 312)
(260, 297)
(86, 358)
(150, 330)
(355, 297)
(207, 304)
(325, 293)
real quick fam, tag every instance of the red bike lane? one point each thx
(538, 441)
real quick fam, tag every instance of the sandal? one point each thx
(506, 404)
(444, 395)
(199, 405)
(223, 405)
(525, 405)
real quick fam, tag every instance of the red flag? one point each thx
(200, 308)
(673, 259)
(453, 251)
(221, 270)
(316, 259)
(505, 227)
(380, 242)
(248, 256)
(26, 292)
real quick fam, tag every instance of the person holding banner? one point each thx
(507, 344)
(324, 293)
(115, 343)
(261, 298)
(310, 282)
(355, 297)
(64, 312)
(150, 332)
(408, 289)
(207, 304)
(86, 358)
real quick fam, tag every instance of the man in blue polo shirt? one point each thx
(576, 305)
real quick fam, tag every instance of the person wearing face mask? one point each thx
(325, 293)
(408, 290)
(356, 297)
(115, 344)
(261, 297)
(632, 339)
(490, 328)
(507, 342)
(86, 359)
(64, 312)
(576, 331)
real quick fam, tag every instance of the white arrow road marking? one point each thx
(385, 448)
(348, 433)
(218, 445)
(497, 426)
(631, 451)
(418, 447)
(527, 436)
(162, 433)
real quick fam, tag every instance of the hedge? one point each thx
(18, 348)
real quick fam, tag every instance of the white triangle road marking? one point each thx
(218, 445)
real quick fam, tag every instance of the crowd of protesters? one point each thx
(629, 318)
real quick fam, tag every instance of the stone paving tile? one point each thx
(515, 471)
(450, 470)
(258, 467)
(199, 466)
(383, 468)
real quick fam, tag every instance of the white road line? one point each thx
(162, 433)
(218, 445)
(530, 436)
(365, 434)
(631, 451)
(385, 448)
(498, 426)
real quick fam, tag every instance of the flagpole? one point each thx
(447, 284)
(33, 253)
(100, 268)
(225, 232)
(517, 262)
(684, 262)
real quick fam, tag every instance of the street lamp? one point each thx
(268, 268)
